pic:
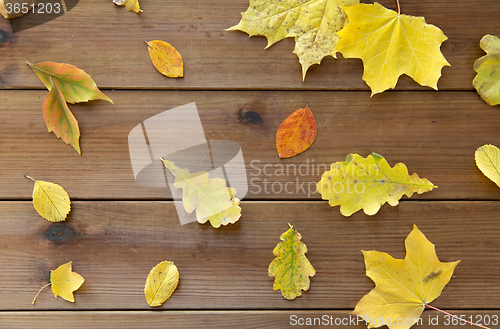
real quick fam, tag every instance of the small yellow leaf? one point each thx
(51, 201)
(131, 5)
(3, 11)
(291, 268)
(487, 80)
(488, 161)
(161, 283)
(64, 281)
(166, 58)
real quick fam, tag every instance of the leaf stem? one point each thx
(399, 8)
(39, 291)
(456, 317)
(29, 177)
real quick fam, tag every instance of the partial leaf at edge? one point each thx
(488, 161)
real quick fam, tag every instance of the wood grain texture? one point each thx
(218, 319)
(114, 245)
(107, 42)
(434, 134)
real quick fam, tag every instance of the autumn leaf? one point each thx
(75, 85)
(212, 199)
(487, 80)
(60, 119)
(131, 5)
(368, 183)
(50, 200)
(488, 161)
(161, 283)
(291, 268)
(15, 8)
(403, 287)
(391, 44)
(63, 281)
(313, 23)
(296, 133)
(166, 58)
(3, 10)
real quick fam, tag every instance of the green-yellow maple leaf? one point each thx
(368, 183)
(403, 287)
(487, 80)
(210, 197)
(488, 161)
(313, 23)
(391, 44)
(291, 268)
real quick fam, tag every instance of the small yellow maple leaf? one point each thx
(488, 161)
(403, 286)
(50, 200)
(391, 44)
(291, 268)
(487, 80)
(131, 5)
(63, 281)
(161, 283)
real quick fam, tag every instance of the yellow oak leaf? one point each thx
(391, 44)
(63, 281)
(161, 283)
(487, 80)
(166, 58)
(368, 183)
(488, 161)
(313, 23)
(51, 201)
(403, 287)
(131, 5)
(212, 199)
(291, 268)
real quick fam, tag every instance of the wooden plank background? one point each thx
(118, 230)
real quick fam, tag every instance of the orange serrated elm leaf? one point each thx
(75, 85)
(296, 133)
(166, 58)
(59, 118)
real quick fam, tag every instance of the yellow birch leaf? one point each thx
(487, 80)
(131, 5)
(64, 282)
(166, 58)
(161, 283)
(313, 23)
(291, 268)
(210, 197)
(368, 183)
(51, 201)
(391, 44)
(403, 286)
(488, 161)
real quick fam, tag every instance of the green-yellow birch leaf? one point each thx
(313, 23)
(368, 183)
(487, 80)
(76, 85)
(403, 286)
(291, 268)
(390, 45)
(210, 197)
(60, 119)
(51, 201)
(130, 5)
(161, 283)
(488, 161)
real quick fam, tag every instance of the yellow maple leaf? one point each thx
(391, 44)
(210, 197)
(487, 80)
(131, 5)
(403, 286)
(368, 183)
(50, 200)
(313, 23)
(63, 282)
(161, 283)
(488, 161)
(291, 268)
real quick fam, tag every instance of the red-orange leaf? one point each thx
(59, 118)
(166, 59)
(75, 85)
(296, 133)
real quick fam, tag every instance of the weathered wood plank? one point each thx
(434, 134)
(221, 319)
(116, 56)
(114, 245)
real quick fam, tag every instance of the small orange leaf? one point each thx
(166, 58)
(296, 133)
